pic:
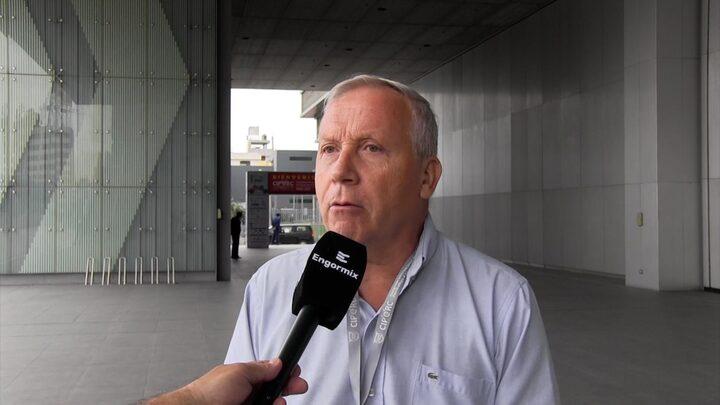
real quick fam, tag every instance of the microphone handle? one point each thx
(294, 346)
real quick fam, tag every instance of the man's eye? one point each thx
(328, 149)
(373, 148)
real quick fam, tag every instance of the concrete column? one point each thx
(710, 150)
(662, 144)
(225, 38)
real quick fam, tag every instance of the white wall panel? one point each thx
(591, 44)
(519, 227)
(79, 224)
(5, 233)
(713, 101)
(519, 151)
(470, 221)
(4, 138)
(633, 236)
(208, 229)
(497, 235)
(631, 120)
(679, 257)
(573, 227)
(714, 233)
(26, 52)
(42, 231)
(613, 40)
(535, 148)
(570, 141)
(614, 229)
(535, 227)
(613, 120)
(553, 228)
(124, 132)
(592, 139)
(83, 165)
(648, 120)
(194, 229)
(19, 227)
(179, 220)
(552, 145)
(593, 238)
(472, 160)
(125, 38)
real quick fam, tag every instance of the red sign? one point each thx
(291, 183)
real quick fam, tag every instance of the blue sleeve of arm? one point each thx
(524, 366)
(243, 345)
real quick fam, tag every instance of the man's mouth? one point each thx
(344, 204)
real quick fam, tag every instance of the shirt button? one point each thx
(371, 393)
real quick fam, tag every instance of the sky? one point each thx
(277, 113)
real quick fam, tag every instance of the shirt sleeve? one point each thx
(523, 362)
(242, 345)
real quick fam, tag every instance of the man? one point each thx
(276, 229)
(435, 322)
(235, 229)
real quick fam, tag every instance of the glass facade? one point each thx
(107, 133)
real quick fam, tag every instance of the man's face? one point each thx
(367, 178)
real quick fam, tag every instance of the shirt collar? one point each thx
(424, 251)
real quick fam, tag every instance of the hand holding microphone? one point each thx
(331, 279)
(231, 384)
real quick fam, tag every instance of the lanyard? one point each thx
(361, 386)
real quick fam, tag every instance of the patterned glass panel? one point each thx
(107, 134)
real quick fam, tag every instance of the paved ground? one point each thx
(75, 344)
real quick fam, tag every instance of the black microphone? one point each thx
(331, 279)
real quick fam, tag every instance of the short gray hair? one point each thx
(424, 126)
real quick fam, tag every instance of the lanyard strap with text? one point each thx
(361, 386)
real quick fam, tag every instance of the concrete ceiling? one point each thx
(312, 44)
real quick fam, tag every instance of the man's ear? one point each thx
(432, 170)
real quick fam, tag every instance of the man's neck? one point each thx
(384, 263)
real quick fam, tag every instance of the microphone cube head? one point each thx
(331, 279)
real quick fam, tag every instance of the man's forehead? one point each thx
(383, 109)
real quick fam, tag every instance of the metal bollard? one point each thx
(105, 280)
(89, 269)
(138, 260)
(122, 265)
(171, 264)
(154, 270)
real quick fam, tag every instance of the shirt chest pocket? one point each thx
(436, 386)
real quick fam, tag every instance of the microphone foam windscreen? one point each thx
(331, 278)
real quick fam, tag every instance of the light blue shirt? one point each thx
(466, 329)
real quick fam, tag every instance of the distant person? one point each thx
(276, 229)
(235, 229)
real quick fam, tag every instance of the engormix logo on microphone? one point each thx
(332, 265)
(342, 256)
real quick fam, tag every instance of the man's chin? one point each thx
(348, 229)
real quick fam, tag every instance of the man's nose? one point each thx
(344, 170)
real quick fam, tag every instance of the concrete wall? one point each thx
(531, 140)
(662, 143)
(559, 133)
